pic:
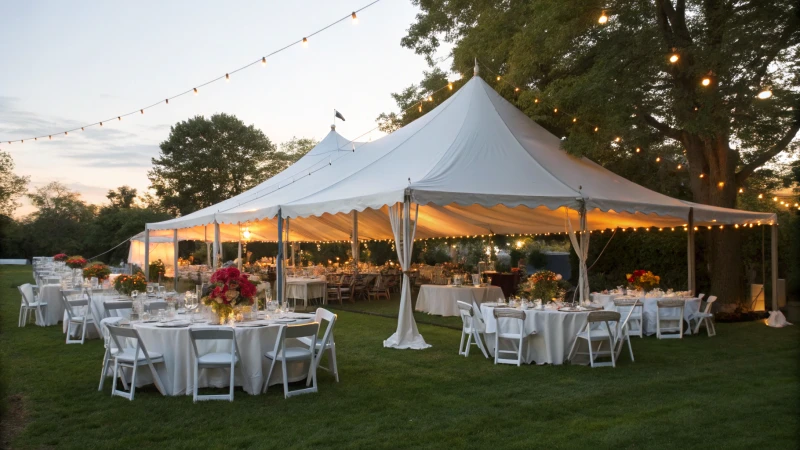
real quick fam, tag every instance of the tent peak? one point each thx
(476, 69)
(333, 127)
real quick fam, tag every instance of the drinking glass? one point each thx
(162, 316)
(290, 305)
(134, 294)
(162, 290)
(149, 289)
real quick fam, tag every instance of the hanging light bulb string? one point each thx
(226, 76)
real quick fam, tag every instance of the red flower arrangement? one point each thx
(60, 257)
(232, 288)
(643, 279)
(75, 262)
(97, 270)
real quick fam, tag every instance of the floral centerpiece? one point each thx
(542, 285)
(231, 291)
(97, 270)
(75, 262)
(157, 268)
(125, 284)
(644, 280)
(60, 257)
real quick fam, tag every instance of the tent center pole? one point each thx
(690, 256)
(175, 259)
(146, 254)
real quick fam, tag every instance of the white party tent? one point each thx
(158, 248)
(474, 165)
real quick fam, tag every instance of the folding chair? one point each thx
(516, 317)
(705, 317)
(599, 335)
(214, 359)
(110, 350)
(633, 308)
(379, 289)
(30, 304)
(74, 319)
(326, 344)
(294, 354)
(132, 358)
(623, 335)
(108, 307)
(669, 318)
(155, 306)
(469, 329)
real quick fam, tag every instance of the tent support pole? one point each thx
(690, 256)
(146, 254)
(354, 244)
(175, 259)
(774, 257)
(216, 253)
(279, 261)
(240, 255)
(584, 291)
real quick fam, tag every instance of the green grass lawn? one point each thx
(736, 390)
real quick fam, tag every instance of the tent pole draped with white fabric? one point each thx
(474, 165)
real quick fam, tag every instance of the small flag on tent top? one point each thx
(338, 115)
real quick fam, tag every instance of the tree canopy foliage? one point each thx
(12, 186)
(207, 160)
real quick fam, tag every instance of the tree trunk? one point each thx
(712, 172)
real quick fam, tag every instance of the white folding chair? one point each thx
(517, 318)
(623, 333)
(286, 355)
(153, 307)
(76, 319)
(469, 329)
(108, 307)
(669, 318)
(110, 350)
(212, 360)
(706, 317)
(132, 358)
(326, 344)
(30, 304)
(635, 307)
(599, 335)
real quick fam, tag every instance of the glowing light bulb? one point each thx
(355, 18)
(617, 139)
(741, 190)
(101, 124)
(195, 91)
(119, 118)
(227, 77)
(595, 129)
(450, 86)
(555, 110)
(166, 100)
(430, 98)
(66, 133)
(765, 94)
(516, 89)
(603, 19)
(246, 233)
(574, 119)
(264, 61)
(679, 166)
(705, 82)
(420, 107)
(721, 184)
(498, 78)
(141, 111)
(658, 159)
(305, 42)
(673, 58)
(760, 195)
(638, 149)
(536, 100)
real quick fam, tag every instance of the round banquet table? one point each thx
(177, 371)
(549, 332)
(441, 300)
(650, 304)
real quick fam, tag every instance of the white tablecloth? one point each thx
(550, 334)
(177, 371)
(441, 300)
(691, 306)
(306, 289)
(51, 293)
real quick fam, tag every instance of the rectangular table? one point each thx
(441, 300)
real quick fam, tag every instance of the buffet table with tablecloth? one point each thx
(550, 333)
(305, 289)
(441, 300)
(177, 371)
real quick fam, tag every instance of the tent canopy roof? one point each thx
(475, 164)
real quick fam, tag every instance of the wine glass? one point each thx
(191, 304)
(162, 291)
(149, 289)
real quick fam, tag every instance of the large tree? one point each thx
(12, 186)
(679, 80)
(60, 223)
(207, 160)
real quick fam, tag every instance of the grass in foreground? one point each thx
(737, 390)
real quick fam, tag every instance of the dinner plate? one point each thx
(173, 324)
(252, 324)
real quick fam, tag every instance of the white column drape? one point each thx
(580, 243)
(407, 335)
